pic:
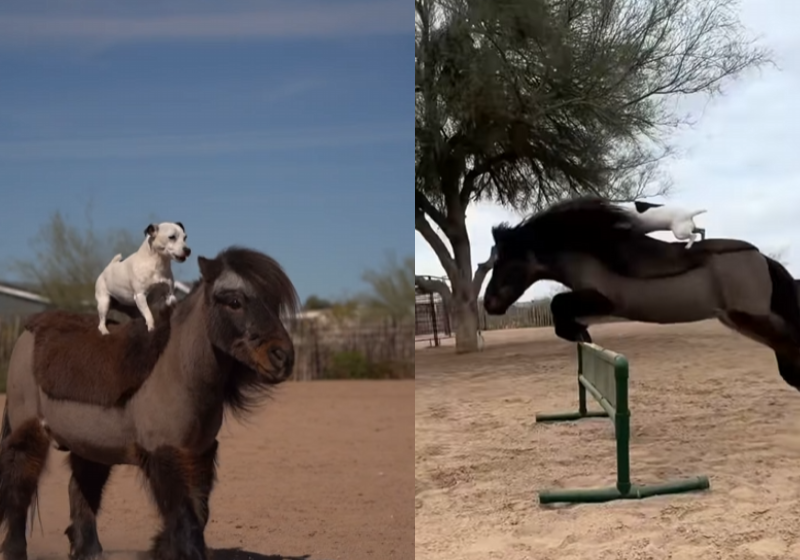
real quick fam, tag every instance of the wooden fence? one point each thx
(533, 314)
(323, 351)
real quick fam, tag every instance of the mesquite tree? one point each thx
(524, 102)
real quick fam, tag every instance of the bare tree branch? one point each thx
(482, 270)
(437, 244)
(424, 205)
(434, 287)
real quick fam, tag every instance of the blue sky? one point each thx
(275, 125)
(740, 161)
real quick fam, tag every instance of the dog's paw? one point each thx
(103, 330)
(151, 328)
(171, 300)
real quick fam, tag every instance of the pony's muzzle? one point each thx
(275, 360)
(494, 305)
(278, 357)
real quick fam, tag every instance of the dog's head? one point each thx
(169, 239)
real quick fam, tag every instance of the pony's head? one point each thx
(247, 294)
(531, 250)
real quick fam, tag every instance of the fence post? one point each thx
(435, 322)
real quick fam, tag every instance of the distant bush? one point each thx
(352, 364)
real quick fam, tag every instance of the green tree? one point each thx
(314, 302)
(67, 259)
(524, 102)
(391, 289)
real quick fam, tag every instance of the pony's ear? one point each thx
(209, 268)
(499, 233)
(151, 230)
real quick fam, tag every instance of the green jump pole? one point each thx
(621, 416)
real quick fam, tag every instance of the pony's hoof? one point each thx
(584, 336)
(83, 545)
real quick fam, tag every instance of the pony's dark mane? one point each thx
(588, 225)
(265, 275)
(244, 388)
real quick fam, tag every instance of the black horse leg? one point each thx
(770, 332)
(206, 479)
(22, 458)
(178, 480)
(85, 492)
(568, 307)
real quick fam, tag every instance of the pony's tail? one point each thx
(34, 510)
(785, 302)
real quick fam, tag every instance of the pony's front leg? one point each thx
(180, 481)
(568, 307)
(23, 455)
(85, 492)
(207, 476)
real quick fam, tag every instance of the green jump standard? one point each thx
(614, 366)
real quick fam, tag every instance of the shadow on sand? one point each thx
(216, 554)
(239, 554)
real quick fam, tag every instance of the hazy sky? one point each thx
(741, 162)
(276, 125)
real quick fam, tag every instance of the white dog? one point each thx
(658, 217)
(128, 281)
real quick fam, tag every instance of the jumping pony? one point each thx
(594, 248)
(151, 399)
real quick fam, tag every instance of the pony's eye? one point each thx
(234, 303)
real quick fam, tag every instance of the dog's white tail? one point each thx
(117, 258)
(697, 213)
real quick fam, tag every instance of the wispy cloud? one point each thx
(275, 21)
(152, 146)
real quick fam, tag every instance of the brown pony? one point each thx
(151, 399)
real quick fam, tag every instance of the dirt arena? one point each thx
(319, 474)
(704, 401)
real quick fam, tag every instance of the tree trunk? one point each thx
(465, 314)
(465, 299)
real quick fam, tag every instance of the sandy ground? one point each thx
(704, 401)
(323, 472)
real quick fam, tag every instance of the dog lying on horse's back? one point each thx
(651, 217)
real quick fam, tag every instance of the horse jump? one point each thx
(604, 375)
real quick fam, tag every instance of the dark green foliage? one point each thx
(352, 364)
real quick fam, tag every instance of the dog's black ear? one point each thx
(210, 269)
(645, 206)
(180, 225)
(151, 230)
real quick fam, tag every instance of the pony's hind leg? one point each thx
(85, 493)
(568, 307)
(181, 482)
(23, 455)
(769, 331)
